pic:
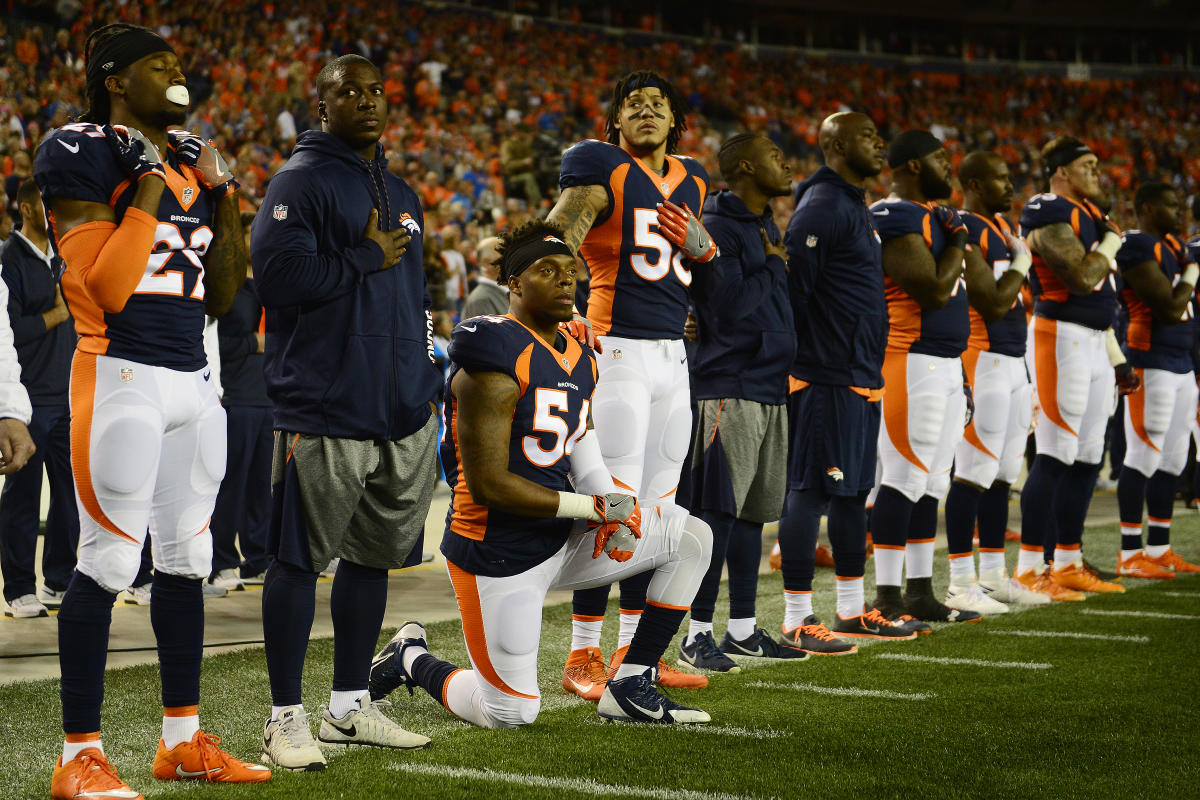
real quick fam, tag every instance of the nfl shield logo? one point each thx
(280, 212)
(126, 374)
(666, 187)
(566, 363)
(187, 195)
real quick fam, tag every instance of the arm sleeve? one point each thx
(110, 259)
(736, 294)
(14, 400)
(809, 236)
(584, 165)
(483, 345)
(289, 268)
(25, 327)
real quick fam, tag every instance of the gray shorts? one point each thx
(363, 500)
(739, 459)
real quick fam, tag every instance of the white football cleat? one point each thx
(969, 597)
(367, 725)
(997, 585)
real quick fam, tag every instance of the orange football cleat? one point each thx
(1075, 576)
(776, 558)
(1042, 583)
(822, 557)
(1173, 561)
(201, 759)
(89, 775)
(668, 676)
(1140, 565)
(585, 674)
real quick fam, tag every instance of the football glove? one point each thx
(210, 166)
(618, 507)
(580, 329)
(616, 539)
(684, 231)
(950, 220)
(136, 154)
(1128, 381)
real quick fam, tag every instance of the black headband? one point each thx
(527, 253)
(912, 146)
(1064, 154)
(115, 54)
(646, 82)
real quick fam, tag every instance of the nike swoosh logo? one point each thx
(183, 773)
(581, 687)
(74, 148)
(1035, 206)
(656, 714)
(871, 628)
(351, 731)
(470, 328)
(883, 212)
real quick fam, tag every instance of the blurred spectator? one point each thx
(488, 297)
(517, 159)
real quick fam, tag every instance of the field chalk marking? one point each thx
(967, 662)
(581, 785)
(1180, 594)
(711, 730)
(1153, 614)
(1103, 637)
(841, 692)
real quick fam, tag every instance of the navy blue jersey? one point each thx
(163, 321)
(556, 386)
(1148, 342)
(1007, 334)
(1052, 299)
(941, 332)
(639, 280)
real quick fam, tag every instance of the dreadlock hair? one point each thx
(640, 79)
(511, 240)
(99, 106)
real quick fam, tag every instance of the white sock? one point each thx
(411, 654)
(918, 559)
(796, 606)
(991, 561)
(342, 703)
(72, 749)
(962, 569)
(627, 670)
(1156, 550)
(1030, 559)
(696, 628)
(740, 629)
(629, 623)
(277, 710)
(1065, 557)
(1128, 554)
(850, 599)
(177, 730)
(889, 563)
(585, 632)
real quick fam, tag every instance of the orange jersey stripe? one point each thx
(83, 401)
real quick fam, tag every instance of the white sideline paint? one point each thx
(1153, 614)
(1180, 594)
(969, 662)
(841, 692)
(1104, 637)
(712, 730)
(581, 785)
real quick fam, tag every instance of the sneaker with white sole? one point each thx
(138, 595)
(996, 584)
(703, 653)
(387, 668)
(228, 579)
(254, 580)
(26, 606)
(969, 597)
(51, 598)
(635, 699)
(368, 725)
(288, 742)
(211, 590)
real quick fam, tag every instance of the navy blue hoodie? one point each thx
(741, 302)
(835, 277)
(349, 349)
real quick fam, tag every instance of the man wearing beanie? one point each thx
(925, 402)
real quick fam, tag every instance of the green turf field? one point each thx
(1106, 711)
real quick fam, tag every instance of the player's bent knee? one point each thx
(125, 454)
(515, 636)
(112, 571)
(695, 542)
(188, 557)
(512, 712)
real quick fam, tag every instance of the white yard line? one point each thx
(1104, 637)
(581, 785)
(1180, 594)
(1153, 614)
(710, 730)
(843, 692)
(968, 662)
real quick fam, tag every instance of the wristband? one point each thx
(577, 506)
(1109, 246)
(1021, 263)
(1115, 357)
(1190, 274)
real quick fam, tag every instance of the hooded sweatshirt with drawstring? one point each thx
(349, 347)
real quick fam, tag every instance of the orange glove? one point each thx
(617, 540)
(580, 329)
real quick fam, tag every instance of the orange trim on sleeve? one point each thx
(83, 400)
(466, 590)
(522, 368)
(111, 259)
